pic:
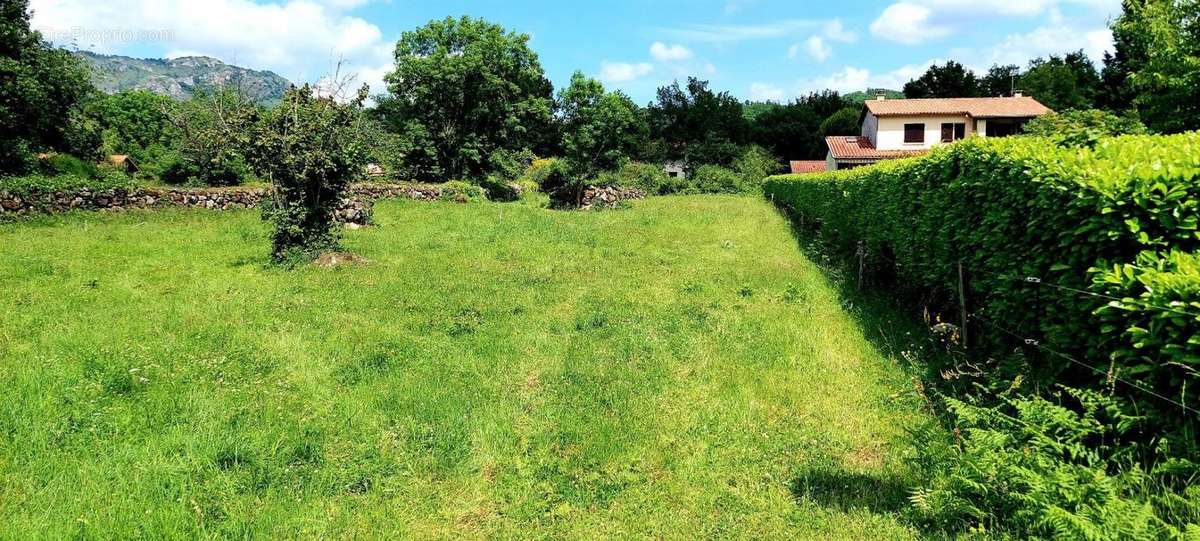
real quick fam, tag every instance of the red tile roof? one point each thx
(807, 166)
(850, 147)
(1016, 106)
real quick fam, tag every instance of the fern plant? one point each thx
(1033, 468)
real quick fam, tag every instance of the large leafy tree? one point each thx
(1129, 55)
(42, 90)
(950, 80)
(601, 130)
(1000, 80)
(698, 125)
(843, 122)
(465, 95)
(1063, 82)
(791, 132)
(132, 121)
(1157, 58)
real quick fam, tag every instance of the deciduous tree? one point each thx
(601, 130)
(950, 80)
(42, 90)
(464, 93)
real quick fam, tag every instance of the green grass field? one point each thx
(674, 370)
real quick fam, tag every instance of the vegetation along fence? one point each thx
(1082, 265)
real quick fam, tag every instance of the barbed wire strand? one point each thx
(1114, 376)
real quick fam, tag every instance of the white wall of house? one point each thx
(870, 127)
(890, 131)
(981, 127)
(830, 163)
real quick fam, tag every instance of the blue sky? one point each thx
(756, 49)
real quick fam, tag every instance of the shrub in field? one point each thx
(647, 177)
(754, 166)
(1032, 468)
(462, 192)
(715, 179)
(310, 148)
(1047, 237)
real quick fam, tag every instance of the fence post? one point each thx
(862, 263)
(962, 304)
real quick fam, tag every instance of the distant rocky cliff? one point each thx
(181, 77)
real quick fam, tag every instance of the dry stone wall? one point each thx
(353, 209)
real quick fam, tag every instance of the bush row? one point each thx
(1091, 252)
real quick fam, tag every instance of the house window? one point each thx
(953, 131)
(914, 133)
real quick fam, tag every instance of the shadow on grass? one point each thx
(844, 490)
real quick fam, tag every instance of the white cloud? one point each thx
(916, 21)
(620, 72)
(297, 38)
(908, 23)
(669, 53)
(852, 79)
(717, 33)
(766, 92)
(1019, 49)
(817, 49)
(835, 31)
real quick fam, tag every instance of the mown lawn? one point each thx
(674, 370)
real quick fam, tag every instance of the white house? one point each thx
(901, 128)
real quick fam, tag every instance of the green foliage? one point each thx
(1000, 80)
(858, 97)
(1021, 207)
(950, 80)
(647, 177)
(133, 122)
(211, 133)
(1157, 62)
(1031, 468)
(458, 191)
(843, 122)
(791, 131)
(696, 124)
(30, 185)
(601, 130)
(715, 179)
(753, 167)
(310, 148)
(1083, 128)
(1155, 327)
(42, 91)
(463, 90)
(1062, 82)
(68, 165)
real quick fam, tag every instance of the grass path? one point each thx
(675, 370)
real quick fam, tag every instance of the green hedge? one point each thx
(32, 185)
(1110, 232)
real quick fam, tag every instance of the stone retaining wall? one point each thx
(354, 209)
(608, 196)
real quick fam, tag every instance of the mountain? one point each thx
(180, 77)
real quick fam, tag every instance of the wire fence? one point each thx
(1111, 374)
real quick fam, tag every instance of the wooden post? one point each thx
(862, 263)
(962, 304)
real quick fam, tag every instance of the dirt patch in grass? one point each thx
(335, 259)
